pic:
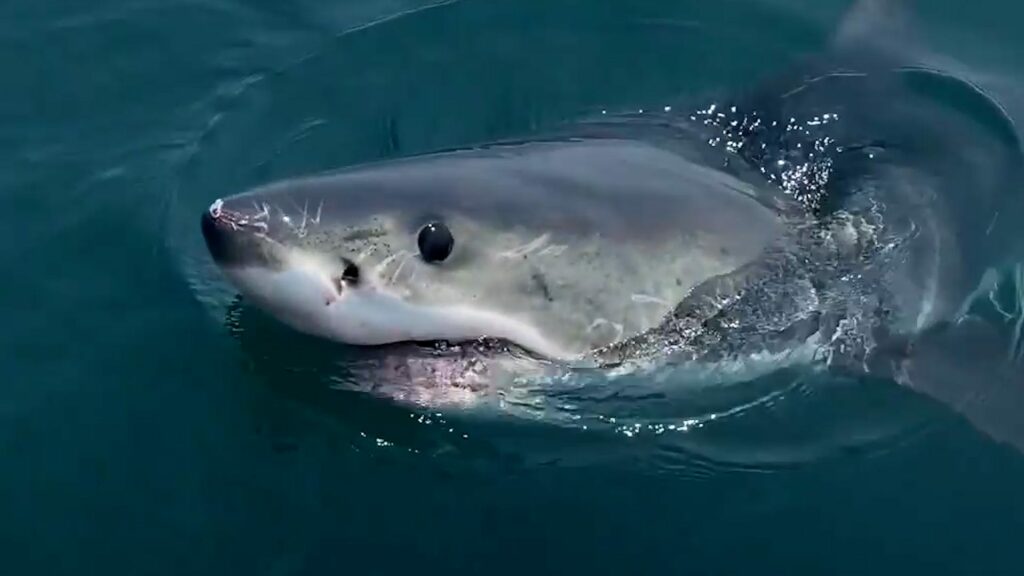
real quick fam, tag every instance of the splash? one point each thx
(796, 154)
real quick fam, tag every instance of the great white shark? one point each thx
(856, 206)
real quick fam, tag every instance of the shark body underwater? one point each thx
(845, 213)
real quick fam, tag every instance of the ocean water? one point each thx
(146, 429)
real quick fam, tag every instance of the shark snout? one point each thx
(236, 239)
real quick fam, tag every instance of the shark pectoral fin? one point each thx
(963, 365)
(966, 367)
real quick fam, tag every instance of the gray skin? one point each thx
(854, 205)
(561, 246)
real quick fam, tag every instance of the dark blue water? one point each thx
(143, 432)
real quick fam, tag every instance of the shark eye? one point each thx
(435, 242)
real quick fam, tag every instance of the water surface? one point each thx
(144, 432)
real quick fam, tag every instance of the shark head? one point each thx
(559, 247)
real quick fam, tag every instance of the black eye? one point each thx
(435, 242)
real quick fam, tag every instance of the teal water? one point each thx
(143, 432)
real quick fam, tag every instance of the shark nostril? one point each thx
(350, 273)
